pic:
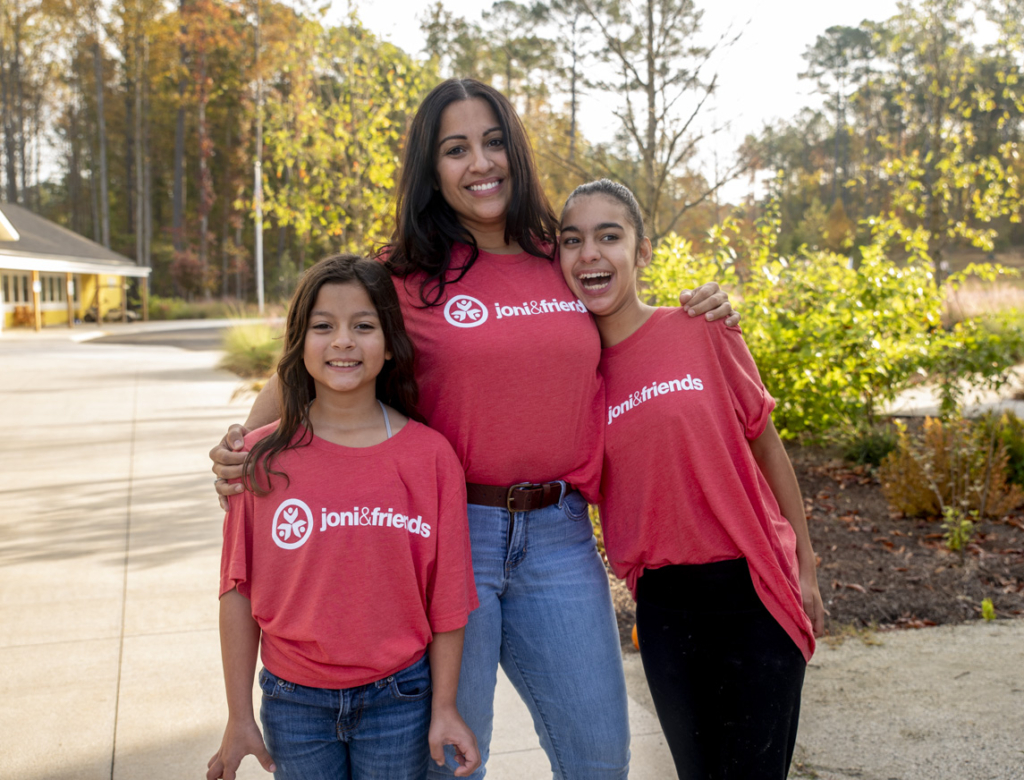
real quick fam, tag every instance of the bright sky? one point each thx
(757, 76)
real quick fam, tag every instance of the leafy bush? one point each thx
(252, 350)
(950, 469)
(161, 308)
(870, 444)
(836, 340)
(1009, 429)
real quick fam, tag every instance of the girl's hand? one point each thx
(448, 728)
(228, 457)
(240, 740)
(813, 605)
(709, 299)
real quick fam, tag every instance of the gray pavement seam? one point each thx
(124, 579)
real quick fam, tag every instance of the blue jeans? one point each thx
(370, 732)
(546, 616)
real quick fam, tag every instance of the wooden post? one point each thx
(70, 291)
(124, 299)
(37, 313)
(144, 282)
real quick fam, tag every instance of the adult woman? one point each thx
(508, 373)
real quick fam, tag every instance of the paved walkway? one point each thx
(109, 548)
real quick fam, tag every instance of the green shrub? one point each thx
(950, 469)
(161, 308)
(252, 350)
(869, 445)
(1009, 430)
(834, 340)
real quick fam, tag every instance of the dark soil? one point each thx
(882, 570)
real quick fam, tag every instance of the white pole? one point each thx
(258, 187)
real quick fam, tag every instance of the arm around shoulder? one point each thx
(228, 455)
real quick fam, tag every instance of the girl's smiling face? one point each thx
(600, 254)
(345, 347)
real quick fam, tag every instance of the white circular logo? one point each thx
(462, 311)
(292, 527)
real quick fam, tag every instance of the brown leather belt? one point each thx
(524, 497)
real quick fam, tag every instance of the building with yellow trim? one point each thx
(50, 275)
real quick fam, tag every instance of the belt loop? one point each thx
(565, 489)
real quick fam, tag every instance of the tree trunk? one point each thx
(225, 216)
(18, 81)
(573, 97)
(101, 126)
(651, 183)
(140, 239)
(205, 179)
(147, 181)
(10, 159)
(178, 196)
(94, 197)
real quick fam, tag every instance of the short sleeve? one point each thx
(750, 398)
(451, 594)
(236, 552)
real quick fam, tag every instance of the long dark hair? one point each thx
(396, 385)
(426, 227)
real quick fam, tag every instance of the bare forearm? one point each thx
(239, 645)
(445, 654)
(777, 469)
(267, 406)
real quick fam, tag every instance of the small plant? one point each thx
(870, 445)
(950, 464)
(988, 610)
(958, 529)
(1008, 428)
(251, 350)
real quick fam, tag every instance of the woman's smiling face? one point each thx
(599, 254)
(472, 166)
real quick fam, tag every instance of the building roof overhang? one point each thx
(29, 242)
(17, 261)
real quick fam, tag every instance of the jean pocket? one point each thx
(412, 683)
(575, 506)
(272, 685)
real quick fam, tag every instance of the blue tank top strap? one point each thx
(387, 421)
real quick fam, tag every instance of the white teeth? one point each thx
(593, 280)
(343, 363)
(481, 187)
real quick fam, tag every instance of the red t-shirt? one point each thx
(681, 485)
(353, 566)
(507, 369)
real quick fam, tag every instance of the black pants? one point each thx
(724, 675)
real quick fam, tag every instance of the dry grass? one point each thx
(251, 350)
(981, 299)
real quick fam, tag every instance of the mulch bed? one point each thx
(879, 569)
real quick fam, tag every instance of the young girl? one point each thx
(346, 560)
(702, 513)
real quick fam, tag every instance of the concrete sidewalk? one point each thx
(109, 551)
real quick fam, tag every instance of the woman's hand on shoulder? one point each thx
(228, 457)
(711, 300)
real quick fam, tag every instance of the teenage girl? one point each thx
(702, 514)
(346, 560)
(507, 367)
